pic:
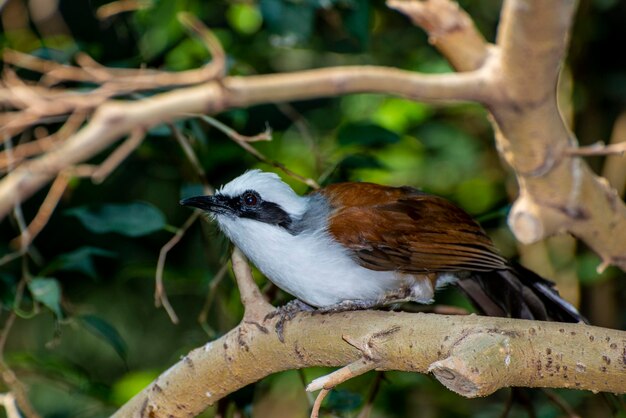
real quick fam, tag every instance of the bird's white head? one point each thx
(254, 197)
(269, 187)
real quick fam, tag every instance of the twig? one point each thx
(507, 406)
(255, 306)
(561, 403)
(369, 403)
(217, 67)
(121, 6)
(343, 374)
(40, 101)
(309, 395)
(305, 131)
(6, 330)
(18, 390)
(614, 169)
(597, 149)
(210, 296)
(160, 296)
(93, 67)
(117, 81)
(115, 119)
(19, 293)
(604, 264)
(17, 211)
(10, 405)
(367, 362)
(45, 210)
(117, 156)
(97, 174)
(7, 258)
(38, 146)
(189, 153)
(231, 133)
(244, 142)
(315, 412)
(8, 376)
(19, 217)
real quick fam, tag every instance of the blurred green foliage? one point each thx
(47, 291)
(133, 219)
(88, 335)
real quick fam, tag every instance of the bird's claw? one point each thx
(286, 313)
(349, 305)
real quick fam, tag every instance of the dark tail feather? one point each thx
(518, 293)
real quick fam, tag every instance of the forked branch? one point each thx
(522, 353)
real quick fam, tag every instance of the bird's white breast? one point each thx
(313, 267)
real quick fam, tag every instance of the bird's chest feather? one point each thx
(310, 265)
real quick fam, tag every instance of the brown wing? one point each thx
(405, 230)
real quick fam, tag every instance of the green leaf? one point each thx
(47, 291)
(291, 20)
(158, 27)
(189, 53)
(161, 130)
(131, 384)
(244, 18)
(191, 190)
(198, 134)
(102, 329)
(356, 19)
(451, 151)
(400, 114)
(366, 134)
(8, 283)
(131, 219)
(79, 260)
(355, 161)
(499, 213)
(476, 195)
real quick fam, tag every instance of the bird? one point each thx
(358, 245)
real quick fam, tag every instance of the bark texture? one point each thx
(471, 355)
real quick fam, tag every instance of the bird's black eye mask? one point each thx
(250, 205)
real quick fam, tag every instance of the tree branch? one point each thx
(114, 119)
(450, 29)
(256, 307)
(519, 353)
(558, 193)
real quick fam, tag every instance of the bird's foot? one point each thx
(286, 313)
(391, 301)
(350, 305)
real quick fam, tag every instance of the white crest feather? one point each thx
(271, 189)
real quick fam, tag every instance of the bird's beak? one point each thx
(215, 204)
